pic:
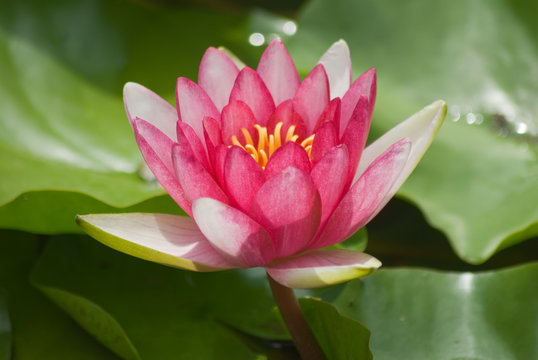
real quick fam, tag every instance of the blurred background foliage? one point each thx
(463, 227)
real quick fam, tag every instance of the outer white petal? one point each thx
(337, 63)
(166, 239)
(145, 104)
(322, 268)
(420, 128)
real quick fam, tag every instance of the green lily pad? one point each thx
(64, 136)
(340, 337)
(478, 182)
(164, 313)
(423, 314)
(39, 329)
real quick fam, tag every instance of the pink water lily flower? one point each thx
(271, 170)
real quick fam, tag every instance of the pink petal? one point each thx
(166, 239)
(242, 176)
(312, 97)
(285, 114)
(221, 151)
(325, 139)
(337, 63)
(143, 103)
(234, 234)
(235, 116)
(156, 148)
(212, 138)
(193, 105)
(331, 113)
(217, 76)
(289, 207)
(319, 268)
(356, 133)
(193, 177)
(289, 154)
(250, 88)
(330, 175)
(366, 197)
(366, 84)
(194, 142)
(278, 71)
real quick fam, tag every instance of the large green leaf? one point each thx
(164, 313)
(479, 182)
(62, 125)
(422, 314)
(39, 329)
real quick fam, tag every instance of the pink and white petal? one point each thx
(278, 71)
(320, 268)
(235, 116)
(193, 177)
(289, 207)
(250, 88)
(366, 84)
(326, 138)
(186, 133)
(285, 114)
(356, 134)
(337, 63)
(140, 102)
(242, 177)
(289, 154)
(193, 105)
(330, 176)
(366, 197)
(217, 76)
(312, 97)
(236, 60)
(165, 239)
(238, 237)
(156, 148)
(420, 129)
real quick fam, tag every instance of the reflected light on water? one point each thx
(521, 128)
(256, 39)
(465, 282)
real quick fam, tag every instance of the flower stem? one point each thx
(293, 316)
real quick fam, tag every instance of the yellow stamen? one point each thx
(269, 143)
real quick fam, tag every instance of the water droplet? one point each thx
(256, 39)
(289, 28)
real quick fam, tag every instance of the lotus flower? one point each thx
(271, 170)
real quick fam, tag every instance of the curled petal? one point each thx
(366, 197)
(278, 71)
(217, 76)
(156, 148)
(234, 234)
(320, 268)
(420, 129)
(186, 133)
(289, 207)
(250, 88)
(312, 97)
(143, 103)
(337, 63)
(366, 84)
(193, 105)
(166, 239)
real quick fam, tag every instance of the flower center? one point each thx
(268, 143)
